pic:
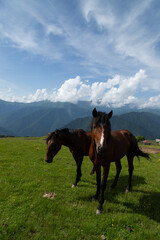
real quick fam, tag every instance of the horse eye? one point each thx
(94, 127)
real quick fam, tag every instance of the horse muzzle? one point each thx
(101, 150)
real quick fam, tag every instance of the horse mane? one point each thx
(63, 130)
(57, 132)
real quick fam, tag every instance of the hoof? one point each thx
(127, 190)
(73, 186)
(98, 212)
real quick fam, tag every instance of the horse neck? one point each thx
(66, 140)
(109, 136)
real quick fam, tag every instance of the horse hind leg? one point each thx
(118, 170)
(130, 169)
(79, 174)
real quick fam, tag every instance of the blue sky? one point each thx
(105, 51)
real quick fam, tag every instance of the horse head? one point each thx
(53, 146)
(101, 129)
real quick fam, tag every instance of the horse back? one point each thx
(121, 143)
(82, 142)
(123, 135)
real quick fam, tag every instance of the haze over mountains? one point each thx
(39, 118)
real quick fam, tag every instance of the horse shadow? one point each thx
(148, 201)
(121, 186)
(148, 205)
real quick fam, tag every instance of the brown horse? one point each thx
(78, 141)
(107, 147)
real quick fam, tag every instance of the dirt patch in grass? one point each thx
(150, 150)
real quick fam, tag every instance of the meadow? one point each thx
(26, 214)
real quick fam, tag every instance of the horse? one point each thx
(110, 146)
(78, 141)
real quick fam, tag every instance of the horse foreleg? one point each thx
(130, 169)
(79, 174)
(103, 187)
(98, 178)
(92, 172)
(118, 170)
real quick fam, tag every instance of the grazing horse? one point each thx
(107, 147)
(78, 141)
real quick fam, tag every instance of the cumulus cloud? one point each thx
(68, 92)
(40, 95)
(152, 102)
(124, 92)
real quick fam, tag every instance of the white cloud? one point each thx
(122, 39)
(69, 90)
(40, 95)
(116, 92)
(128, 33)
(101, 13)
(152, 102)
(53, 29)
(28, 26)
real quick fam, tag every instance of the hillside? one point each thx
(37, 119)
(6, 132)
(139, 123)
(84, 123)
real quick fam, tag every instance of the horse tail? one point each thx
(136, 151)
(140, 153)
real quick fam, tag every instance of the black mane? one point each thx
(57, 132)
(103, 117)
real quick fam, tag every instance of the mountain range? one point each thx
(39, 118)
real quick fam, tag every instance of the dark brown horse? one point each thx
(78, 141)
(107, 147)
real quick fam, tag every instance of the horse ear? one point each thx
(94, 112)
(110, 114)
(49, 134)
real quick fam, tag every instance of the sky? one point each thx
(103, 51)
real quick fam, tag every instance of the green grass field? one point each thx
(26, 214)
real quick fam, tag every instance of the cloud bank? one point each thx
(114, 92)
